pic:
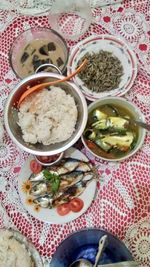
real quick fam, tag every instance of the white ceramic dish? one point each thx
(36, 258)
(51, 215)
(133, 109)
(119, 49)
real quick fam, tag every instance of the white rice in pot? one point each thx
(12, 253)
(48, 116)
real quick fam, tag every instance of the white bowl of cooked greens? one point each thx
(109, 134)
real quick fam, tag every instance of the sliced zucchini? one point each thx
(112, 109)
(118, 123)
(106, 147)
(90, 134)
(98, 115)
(122, 142)
(102, 124)
(112, 124)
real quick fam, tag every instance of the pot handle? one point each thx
(48, 65)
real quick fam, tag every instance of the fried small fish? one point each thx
(71, 192)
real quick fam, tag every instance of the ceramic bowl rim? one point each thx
(93, 96)
(143, 131)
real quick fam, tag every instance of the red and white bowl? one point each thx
(119, 48)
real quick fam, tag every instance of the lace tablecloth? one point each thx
(122, 204)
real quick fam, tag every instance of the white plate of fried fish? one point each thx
(44, 193)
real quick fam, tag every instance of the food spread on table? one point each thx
(50, 116)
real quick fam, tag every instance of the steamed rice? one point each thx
(12, 253)
(48, 117)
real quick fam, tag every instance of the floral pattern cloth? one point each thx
(122, 203)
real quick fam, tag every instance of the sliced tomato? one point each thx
(76, 204)
(90, 144)
(63, 209)
(35, 166)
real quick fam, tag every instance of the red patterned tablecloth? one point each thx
(122, 204)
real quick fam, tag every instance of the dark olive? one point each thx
(35, 58)
(44, 50)
(59, 61)
(36, 62)
(51, 46)
(24, 57)
(47, 60)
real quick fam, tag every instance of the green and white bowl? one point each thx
(135, 113)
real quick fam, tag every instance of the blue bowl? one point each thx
(84, 244)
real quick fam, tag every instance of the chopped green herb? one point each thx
(54, 180)
(55, 185)
(49, 175)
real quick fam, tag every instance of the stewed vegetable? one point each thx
(108, 133)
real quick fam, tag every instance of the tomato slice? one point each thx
(63, 209)
(76, 204)
(90, 144)
(35, 166)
